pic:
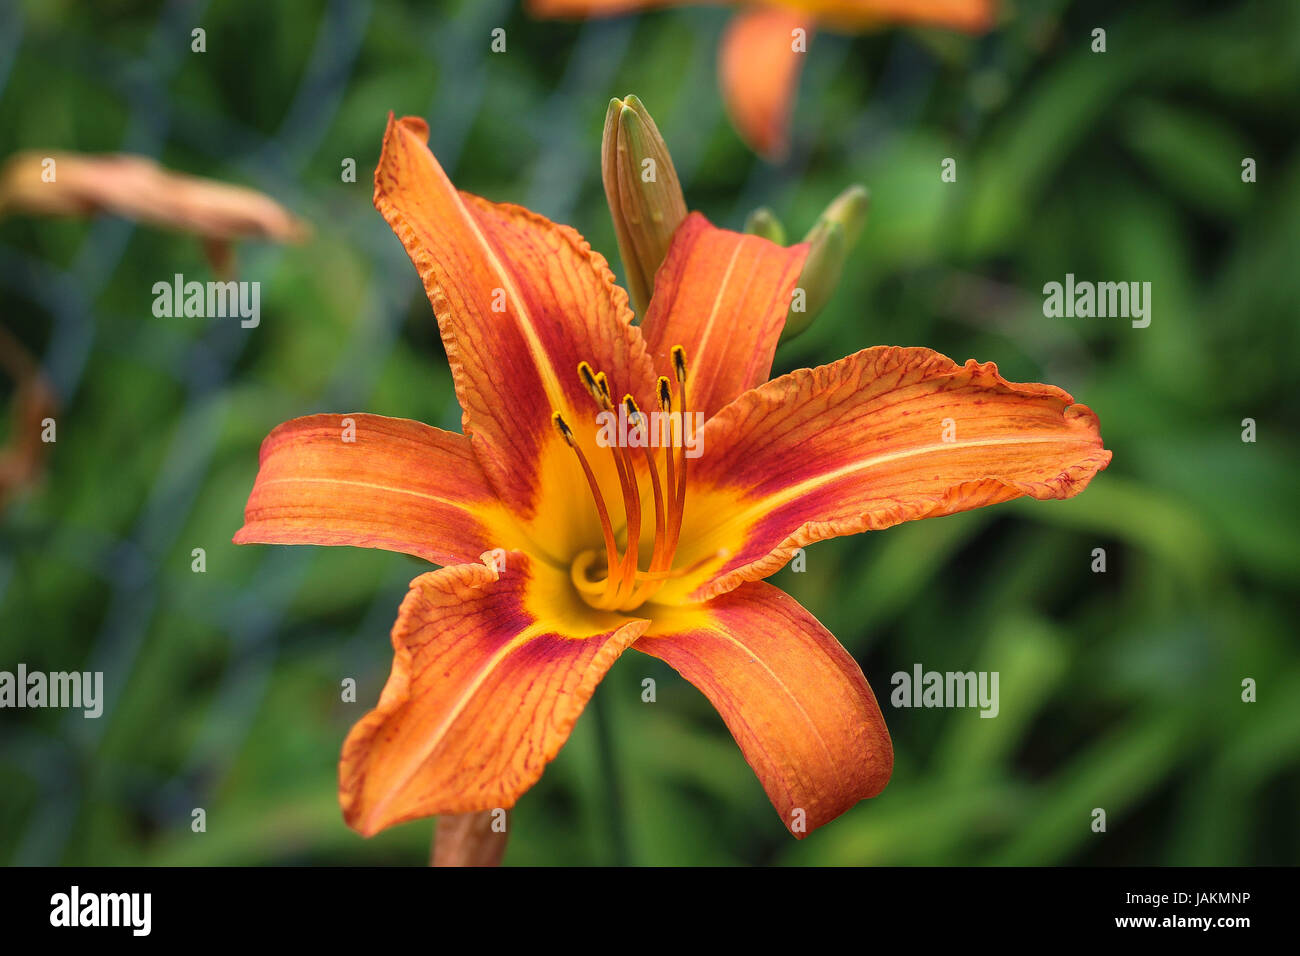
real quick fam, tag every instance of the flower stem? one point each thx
(470, 839)
(610, 779)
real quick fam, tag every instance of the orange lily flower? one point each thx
(762, 49)
(562, 549)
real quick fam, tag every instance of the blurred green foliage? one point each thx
(1119, 690)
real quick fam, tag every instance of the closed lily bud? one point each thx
(644, 194)
(831, 237)
(763, 222)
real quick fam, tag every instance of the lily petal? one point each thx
(397, 485)
(595, 8)
(972, 16)
(723, 296)
(520, 302)
(793, 698)
(136, 187)
(758, 71)
(880, 437)
(490, 672)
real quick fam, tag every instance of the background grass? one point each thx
(1119, 690)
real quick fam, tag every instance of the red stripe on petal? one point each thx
(490, 672)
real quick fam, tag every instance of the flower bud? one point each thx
(644, 195)
(763, 222)
(831, 237)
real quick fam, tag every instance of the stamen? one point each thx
(679, 367)
(589, 380)
(578, 573)
(632, 505)
(611, 549)
(666, 404)
(562, 427)
(682, 572)
(661, 521)
(665, 394)
(662, 559)
(625, 586)
(597, 386)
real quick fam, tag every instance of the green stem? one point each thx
(610, 778)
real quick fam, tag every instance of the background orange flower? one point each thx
(763, 48)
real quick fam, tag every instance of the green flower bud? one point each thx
(644, 195)
(763, 222)
(831, 237)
